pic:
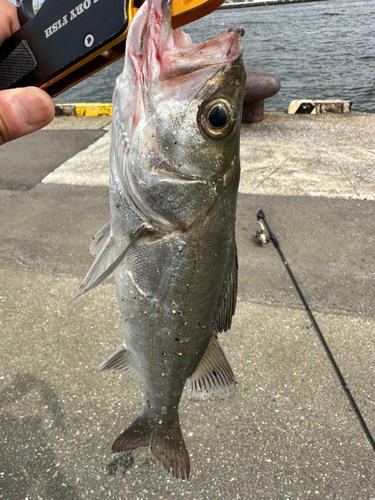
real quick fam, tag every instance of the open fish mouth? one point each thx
(162, 57)
(219, 49)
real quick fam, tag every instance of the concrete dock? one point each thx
(290, 431)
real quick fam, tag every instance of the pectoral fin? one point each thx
(106, 261)
(100, 239)
(213, 377)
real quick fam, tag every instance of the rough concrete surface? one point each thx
(289, 432)
(26, 161)
(322, 155)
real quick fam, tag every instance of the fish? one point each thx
(170, 243)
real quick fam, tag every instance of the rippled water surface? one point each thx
(319, 50)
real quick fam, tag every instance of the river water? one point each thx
(319, 50)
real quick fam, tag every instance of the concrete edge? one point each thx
(84, 109)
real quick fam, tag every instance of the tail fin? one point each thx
(168, 445)
(164, 439)
(137, 435)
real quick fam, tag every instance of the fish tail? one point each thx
(165, 440)
(168, 445)
(137, 435)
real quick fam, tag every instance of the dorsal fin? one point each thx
(227, 308)
(213, 377)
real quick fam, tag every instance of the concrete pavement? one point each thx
(289, 432)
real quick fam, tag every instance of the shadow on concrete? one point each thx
(26, 161)
(28, 464)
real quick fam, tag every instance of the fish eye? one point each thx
(217, 118)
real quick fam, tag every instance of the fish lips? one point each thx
(218, 50)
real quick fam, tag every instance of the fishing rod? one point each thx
(263, 240)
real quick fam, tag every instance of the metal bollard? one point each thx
(259, 86)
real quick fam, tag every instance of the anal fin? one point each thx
(120, 360)
(213, 378)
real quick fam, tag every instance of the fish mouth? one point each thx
(219, 50)
(165, 54)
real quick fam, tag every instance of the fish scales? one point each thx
(174, 175)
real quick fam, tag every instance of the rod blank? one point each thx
(343, 382)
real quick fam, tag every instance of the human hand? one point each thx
(22, 110)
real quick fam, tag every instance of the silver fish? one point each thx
(174, 178)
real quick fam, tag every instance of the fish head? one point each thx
(198, 133)
(177, 106)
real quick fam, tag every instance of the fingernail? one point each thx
(31, 107)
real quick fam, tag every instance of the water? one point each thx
(319, 50)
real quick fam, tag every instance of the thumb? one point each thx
(23, 111)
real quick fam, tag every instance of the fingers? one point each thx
(8, 20)
(23, 111)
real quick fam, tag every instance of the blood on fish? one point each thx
(135, 122)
